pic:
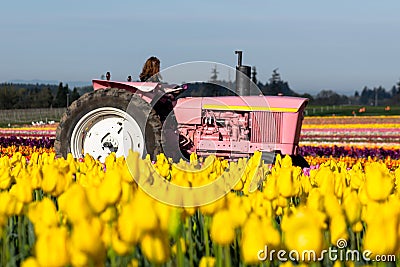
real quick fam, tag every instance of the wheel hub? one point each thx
(106, 130)
(110, 143)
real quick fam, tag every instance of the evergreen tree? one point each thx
(61, 96)
(74, 95)
(254, 75)
(398, 87)
(45, 98)
(394, 91)
(214, 75)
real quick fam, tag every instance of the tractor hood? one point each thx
(255, 103)
(188, 110)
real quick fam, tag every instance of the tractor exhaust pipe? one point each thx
(242, 76)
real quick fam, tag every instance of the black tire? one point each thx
(299, 161)
(141, 111)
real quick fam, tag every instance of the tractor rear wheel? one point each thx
(108, 120)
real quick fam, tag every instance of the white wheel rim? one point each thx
(105, 130)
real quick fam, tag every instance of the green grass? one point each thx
(348, 111)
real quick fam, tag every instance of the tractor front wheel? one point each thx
(106, 121)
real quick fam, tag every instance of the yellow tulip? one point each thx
(168, 217)
(109, 230)
(352, 207)
(97, 203)
(163, 170)
(22, 190)
(213, 207)
(289, 264)
(303, 230)
(9, 204)
(43, 215)
(109, 215)
(144, 211)
(127, 176)
(110, 188)
(356, 176)
(222, 229)
(315, 199)
(325, 180)
(132, 163)
(207, 262)
(397, 177)
(110, 161)
(127, 224)
(78, 258)
(340, 183)
(378, 181)
(338, 228)
(86, 237)
(271, 187)
(133, 263)
(381, 236)
(5, 174)
(127, 192)
(286, 162)
(252, 242)
(30, 262)
(50, 177)
(305, 184)
(155, 247)
(332, 205)
(174, 222)
(286, 182)
(363, 196)
(282, 202)
(357, 227)
(271, 235)
(36, 178)
(237, 210)
(74, 204)
(16, 159)
(182, 244)
(119, 246)
(51, 247)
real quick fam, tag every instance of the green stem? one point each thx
(20, 235)
(11, 245)
(219, 255)
(191, 248)
(179, 253)
(112, 255)
(205, 234)
(227, 256)
(4, 251)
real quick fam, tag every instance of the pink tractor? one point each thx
(205, 118)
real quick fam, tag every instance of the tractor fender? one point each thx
(151, 92)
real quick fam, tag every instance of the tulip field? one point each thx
(342, 211)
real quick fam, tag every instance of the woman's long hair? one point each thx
(151, 70)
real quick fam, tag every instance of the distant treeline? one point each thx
(377, 96)
(368, 96)
(23, 96)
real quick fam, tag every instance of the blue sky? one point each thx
(337, 45)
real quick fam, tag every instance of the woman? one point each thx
(151, 69)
